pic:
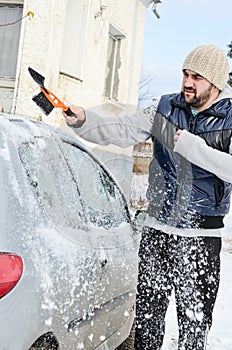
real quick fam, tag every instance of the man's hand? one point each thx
(78, 118)
(177, 135)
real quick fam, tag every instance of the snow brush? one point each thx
(46, 100)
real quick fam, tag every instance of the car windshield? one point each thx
(73, 188)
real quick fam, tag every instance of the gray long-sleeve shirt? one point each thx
(131, 129)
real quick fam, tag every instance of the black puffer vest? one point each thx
(180, 193)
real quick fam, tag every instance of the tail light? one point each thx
(11, 268)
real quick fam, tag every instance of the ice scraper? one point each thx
(46, 100)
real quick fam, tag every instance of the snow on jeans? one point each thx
(190, 266)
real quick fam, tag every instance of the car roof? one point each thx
(22, 129)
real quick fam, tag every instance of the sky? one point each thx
(183, 25)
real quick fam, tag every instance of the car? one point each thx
(68, 246)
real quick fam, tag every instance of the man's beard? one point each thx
(198, 101)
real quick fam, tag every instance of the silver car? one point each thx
(68, 250)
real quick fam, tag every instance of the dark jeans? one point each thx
(190, 266)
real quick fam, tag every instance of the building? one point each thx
(89, 52)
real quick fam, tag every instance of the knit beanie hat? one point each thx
(210, 62)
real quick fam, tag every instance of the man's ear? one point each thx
(216, 89)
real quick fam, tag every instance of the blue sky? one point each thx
(183, 25)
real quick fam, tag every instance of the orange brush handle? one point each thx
(55, 101)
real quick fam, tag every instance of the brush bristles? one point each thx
(42, 101)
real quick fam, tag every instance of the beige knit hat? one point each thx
(210, 62)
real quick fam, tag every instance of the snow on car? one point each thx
(68, 251)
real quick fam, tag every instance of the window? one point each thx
(52, 180)
(74, 190)
(74, 38)
(103, 202)
(9, 42)
(113, 63)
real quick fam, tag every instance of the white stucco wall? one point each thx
(41, 48)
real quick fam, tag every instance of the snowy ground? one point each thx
(220, 336)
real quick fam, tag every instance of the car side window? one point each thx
(104, 203)
(50, 175)
(73, 188)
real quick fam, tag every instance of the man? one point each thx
(189, 194)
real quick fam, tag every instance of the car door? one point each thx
(69, 266)
(86, 207)
(116, 245)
